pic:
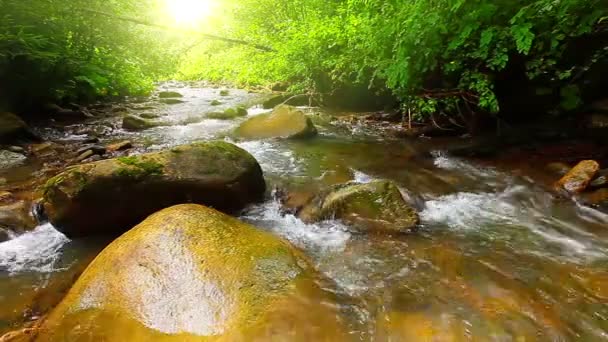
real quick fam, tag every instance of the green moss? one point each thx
(139, 168)
(51, 185)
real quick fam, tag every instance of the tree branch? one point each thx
(166, 27)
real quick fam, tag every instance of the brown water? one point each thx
(497, 257)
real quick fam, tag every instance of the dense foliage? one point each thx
(447, 56)
(62, 51)
(436, 56)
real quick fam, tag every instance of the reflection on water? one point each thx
(497, 257)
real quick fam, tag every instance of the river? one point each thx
(497, 256)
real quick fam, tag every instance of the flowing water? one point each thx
(497, 256)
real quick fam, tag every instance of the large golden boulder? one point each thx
(191, 273)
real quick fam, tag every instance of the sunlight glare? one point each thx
(189, 12)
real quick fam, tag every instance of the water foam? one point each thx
(35, 251)
(511, 215)
(326, 235)
(272, 158)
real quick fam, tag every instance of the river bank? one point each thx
(495, 254)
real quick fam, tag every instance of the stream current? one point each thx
(497, 256)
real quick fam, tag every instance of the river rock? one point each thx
(10, 159)
(119, 146)
(169, 95)
(96, 149)
(84, 155)
(109, 196)
(377, 206)
(136, 123)
(16, 217)
(228, 114)
(190, 273)
(577, 179)
(224, 92)
(283, 122)
(12, 127)
(216, 103)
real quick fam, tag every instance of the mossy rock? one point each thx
(190, 273)
(216, 103)
(283, 122)
(136, 123)
(110, 196)
(228, 114)
(169, 95)
(373, 207)
(11, 127)
(224, 92)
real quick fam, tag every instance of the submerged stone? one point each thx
(10, 159)
(377, 206)
(110, 196)
(228, 114)
(169, 94)
(136, 123)
(190, 273)
(579, 177)
(283, 122)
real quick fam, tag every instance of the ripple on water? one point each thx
(272, 158)
(35, 251)
(319, 237)
(526, 219)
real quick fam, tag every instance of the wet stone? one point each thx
(119, 146)
(577, 179)
(96, 149)
(10, 159)
(84, 155)
(169, 95)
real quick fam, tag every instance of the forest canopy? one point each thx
(443, 56)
